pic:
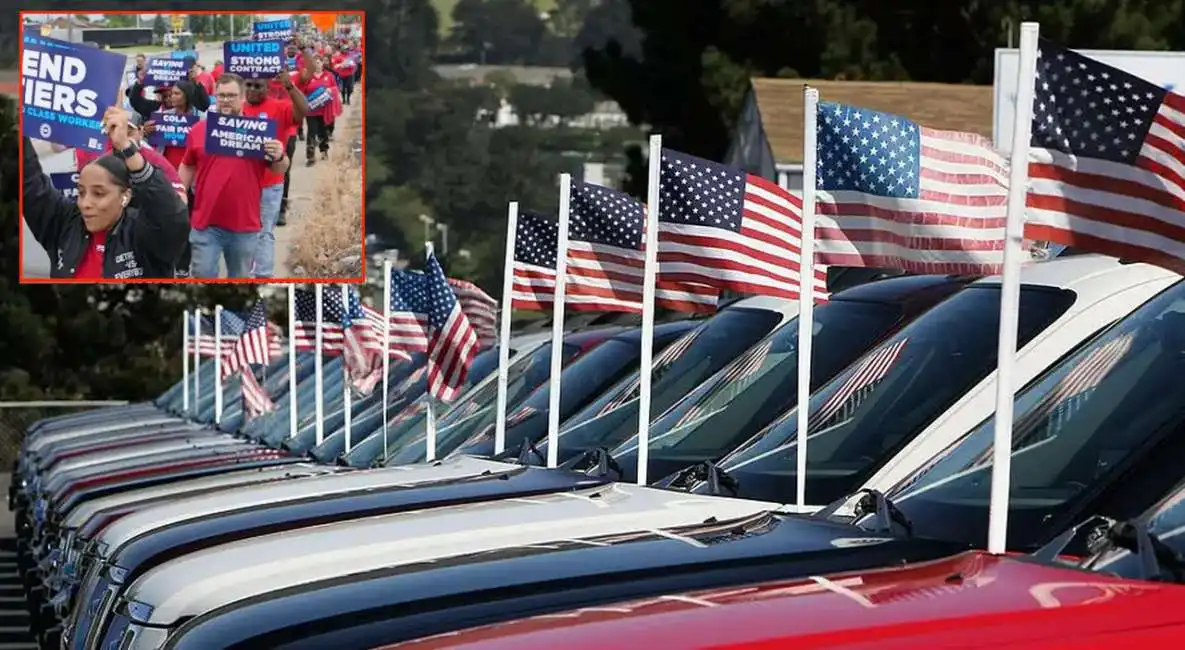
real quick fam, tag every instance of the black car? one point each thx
(1099, 434)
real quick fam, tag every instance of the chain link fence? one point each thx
(15, 418)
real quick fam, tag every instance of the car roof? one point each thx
(901, 288)
(1086, 275)
(634, 334)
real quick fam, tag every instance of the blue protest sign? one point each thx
(181, 54)
(66, 183)
(65, 89)
(235, 135)
(164, 71)
(170, 129)
(318, 98)
(254, 59)
(272, 30)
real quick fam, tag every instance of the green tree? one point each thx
(498, 31)
(160, 26)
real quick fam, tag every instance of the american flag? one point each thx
(361, 346)
(892, 193)
(606, 257)
(206, 342)
(658, 367)
(1107, 161)
(535, 244)
(375, 318)
(521, 415)
(479, 308)
(721, 226)
(874, 367)
(253, 346)
(409, 324)
(452, 343)
(256, 401)
(306, 324)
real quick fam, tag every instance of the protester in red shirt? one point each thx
(287, 112)
(319, 88)
(345, 66)
(218, 69)
(226, 193)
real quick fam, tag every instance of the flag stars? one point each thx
(869, 151)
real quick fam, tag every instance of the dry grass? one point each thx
(330, 239)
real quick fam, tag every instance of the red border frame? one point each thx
(183, 281)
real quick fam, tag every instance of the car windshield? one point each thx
(409, 425)
(680, 367)
(1075, 426)
(763, 382)
(872, 409)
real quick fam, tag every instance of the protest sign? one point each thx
(66, 183)
(318, 98)
(254, 59)
(181, 54)
(164, 71)
(235, 135)
(170, 129)
(65, 87)
(272, 30)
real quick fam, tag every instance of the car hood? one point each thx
(145, 450)
(40, 441)
(167, 514)
(84, 512)
(151, 458)
(216, 576)
(117, 440)
(971, 600)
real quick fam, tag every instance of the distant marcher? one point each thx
(226, 193)
(288, 112)
(344, 66)
(128, 220)
(182, 100)
(314, 76)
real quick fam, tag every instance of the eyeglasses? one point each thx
(227, 96)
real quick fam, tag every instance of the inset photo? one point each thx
(199, 147)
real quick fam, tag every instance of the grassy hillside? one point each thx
(445, 9)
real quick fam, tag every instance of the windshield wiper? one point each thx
(1154, 554)
(872, 502)
(717, 479)
(528, 449)
(599, 463)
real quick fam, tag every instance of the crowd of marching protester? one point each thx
(178, 209)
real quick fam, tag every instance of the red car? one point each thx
(972, 600)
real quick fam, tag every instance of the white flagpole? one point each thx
(386, 344)
(806, 283)
(557, 324)
(317, 368)
(649, 279)
(197, 360)
(347, 402)
(185, 362)
(504, 333)
(1010, 290)
(430, 416)
(217, 364)
(293, 416)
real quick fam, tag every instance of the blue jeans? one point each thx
(212, 244)
(269, 213)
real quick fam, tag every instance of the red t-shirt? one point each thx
(322, 80)
(217, 72)
(279, 111)
(343, 65)
(154, 158)
(90, 267)
(207, 82)
(226, 189)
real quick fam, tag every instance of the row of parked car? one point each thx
(144, 526)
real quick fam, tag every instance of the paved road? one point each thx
(36, 262)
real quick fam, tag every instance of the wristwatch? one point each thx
(127, 152)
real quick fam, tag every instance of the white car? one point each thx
(1103, 291)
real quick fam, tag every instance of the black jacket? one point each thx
(145, 243)
(198, 99)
